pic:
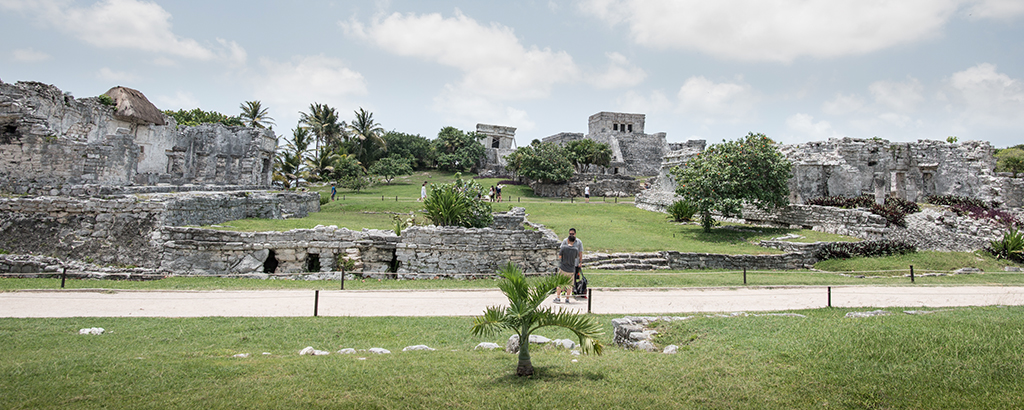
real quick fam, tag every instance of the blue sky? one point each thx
(795, 70)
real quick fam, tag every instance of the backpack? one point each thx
(579, 288)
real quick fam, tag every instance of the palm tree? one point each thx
(524, 315)
(254, 115)
(367, 133)
(322, 121)
(321, 164)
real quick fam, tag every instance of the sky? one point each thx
(794, 70)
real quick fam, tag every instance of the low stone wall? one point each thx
(853, 222)
(796, 259)
(600, 185)
(432, 251)
(119, 231)
(195, 251)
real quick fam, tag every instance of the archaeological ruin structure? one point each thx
(498, 141)
(634, 153)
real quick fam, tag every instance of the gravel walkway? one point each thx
(106, 303)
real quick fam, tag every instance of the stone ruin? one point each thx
(498, 141)
(853, 167)
(54, 144)
(634, 153)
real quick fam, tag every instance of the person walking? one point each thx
(578, 244)
(423, 192)
(334, 191)
(497, 190)
(566, 266)
(586, 193)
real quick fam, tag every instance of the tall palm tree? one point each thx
(524, 315)
(254, 115)
(322, 121)
(321, 164)
(367, 134)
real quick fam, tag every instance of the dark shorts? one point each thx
(587, 195)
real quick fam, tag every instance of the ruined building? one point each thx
(53, 143)
(634, 153)
(498, 141)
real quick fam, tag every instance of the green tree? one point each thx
(726, 175)
(347, 166)
(291, 157)
(524, 315)
(414, 148)
(1010, 160)
(586, 152)
(390, 167)
(195, 116)
(255, 115)
(458, 203)
(545, 162)
(457, 150)
(367, 137)
(322, 121)
(321, 164)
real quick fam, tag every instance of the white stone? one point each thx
(310, 351)
(91, 331)
(241, 355)
(418, 347)
(379, 350)
(538, 339)
(487, 346)
(670, 349)
(347, 350)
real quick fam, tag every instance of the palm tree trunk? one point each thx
(525, 367)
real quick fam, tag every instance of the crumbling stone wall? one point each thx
(661, 193)
(429, 251)
(600, 185)
(859, 223)
(51, 141)
(119, 231)
(195, 251)
(498, 143)
(634, 153)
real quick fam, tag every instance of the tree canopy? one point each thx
(457, 150)
(1010, 160)
(545, 162)
(255, 115)
(196, 116)
(726, 175)
(391, 166)
(586, 152)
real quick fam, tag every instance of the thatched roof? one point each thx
(132, 106)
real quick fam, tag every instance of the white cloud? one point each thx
(898, 96)
(181, 100)
(996, 9)
(106, 74)
(28, 55)
(289, 87)
(988, 96)
(620, 73)
(493, 62)
(775, 30)
(657, 102)
(804, 125)
(129, 24)
(843, 104)
(728, 101)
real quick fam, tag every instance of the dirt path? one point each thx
(106, 303)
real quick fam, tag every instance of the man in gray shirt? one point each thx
(578, 245)
(567, 262)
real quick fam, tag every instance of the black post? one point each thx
(616, 199)
(63, 276)
(829, 296)
(316, 303)
(590, 298)
(396, 198)
(911, 273)
(744, 275)
(382, 198)
(572, 199)
(342, 278)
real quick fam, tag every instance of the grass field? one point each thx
(955, 358)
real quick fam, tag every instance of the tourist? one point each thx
(578, 244)
(334, 191)
(497, 190)
(423, 192)
(567, 254)
(586, 193)
(490, 195)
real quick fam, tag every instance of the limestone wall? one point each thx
(786, 261)
(431, 251)
(853, 222)
(195, 251)
(51, 141)
(119, 231)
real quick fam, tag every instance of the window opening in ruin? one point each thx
(615, 127)
(630, 126)
(616, 170)
(313, 262)
(270, 265)
(495, 143)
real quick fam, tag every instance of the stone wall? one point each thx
(661, 193)
(692, 260)
(119, 231)
(195, 251)
(51, 141)
(600, 185)
(853, 222)
(432, 251)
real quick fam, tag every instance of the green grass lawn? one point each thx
(956, 358)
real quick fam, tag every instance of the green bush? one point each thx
(1010, 247)
(845, 250)
(894, 210)
(105, 100)
(324, 199)
(682, 211)
(458, 204)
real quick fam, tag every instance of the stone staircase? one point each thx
(626, 261)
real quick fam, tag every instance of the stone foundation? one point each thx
(600, 185)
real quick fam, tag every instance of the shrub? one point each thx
(1010, 247)
(844, 250)
(894, 210)
(682, 211)
(952, 200)
(863, 201)
(458, 204)
(975, 208)
(105, 100)
(324, 199)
